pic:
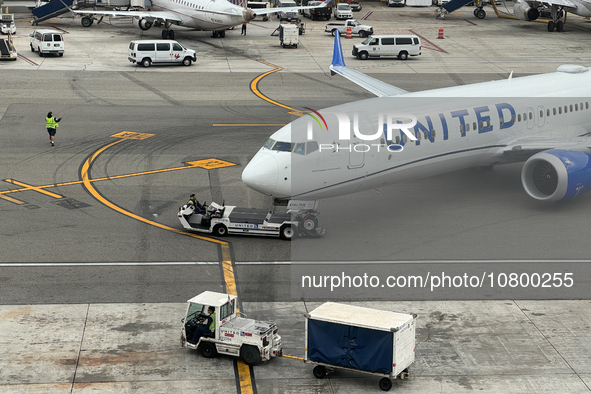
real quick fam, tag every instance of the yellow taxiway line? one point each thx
(246, 385)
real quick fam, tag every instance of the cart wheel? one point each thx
(319, 372)
(287, 232)
(208, 350)
(250, 354)
(385, 384)
(220, 230)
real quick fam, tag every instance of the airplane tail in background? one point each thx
(375, 86)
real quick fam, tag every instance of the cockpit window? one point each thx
(300, 148)
(312, 146)
(269, 143)
(283, 146)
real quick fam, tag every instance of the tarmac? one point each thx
(95, 338)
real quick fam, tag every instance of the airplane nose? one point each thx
(261, 173)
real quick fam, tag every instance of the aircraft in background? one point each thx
(482, 125)
(555, 10)
(208, 15)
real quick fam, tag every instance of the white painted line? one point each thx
(119, 264)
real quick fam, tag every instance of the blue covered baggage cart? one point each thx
(368, 340)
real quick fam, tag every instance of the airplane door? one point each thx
(541, 116)
(356, 154)
(531, 118)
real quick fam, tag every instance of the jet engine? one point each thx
(142, 23)
(523, 11)
(555, 174)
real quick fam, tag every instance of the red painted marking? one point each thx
(27, 60)
(429, 44)
(367, 15)
(62, 30)
(469, 21)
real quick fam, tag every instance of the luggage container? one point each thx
(368, 340)
(288, 35)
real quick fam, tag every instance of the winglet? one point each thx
(337, 53)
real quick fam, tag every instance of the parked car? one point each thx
(343, 11)
(355, 5)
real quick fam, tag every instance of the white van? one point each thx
(146, 52)
(376, 46)
(47, 41)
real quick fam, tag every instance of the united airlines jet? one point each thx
(400, 135)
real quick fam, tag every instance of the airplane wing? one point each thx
(523, 148)
(375, 86)
(138, 14)
(265, 11)
(165, 15)
(550, 3)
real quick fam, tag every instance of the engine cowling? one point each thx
(142, 23)
(523, 11)
(556, 174)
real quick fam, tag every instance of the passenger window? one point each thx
(467, 126)
(548, 112)
(145, 47)
(462, 129)
(57, 37)
(131, 46)
(531, 115)
(554, 111)
(47, 37)
(433, 133)
(415, 40)
(474, 126)
(541, 114)
(404, 41)
(163, 46)
(387, 41)
(571, 108)
(519, 118)
(559, 110)
(576, 107)
(300, 148)
(177, 47)
(311, 146)
(565, 109)
(375, 41)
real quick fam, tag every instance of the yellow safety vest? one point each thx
(51, 123)
(212, 324)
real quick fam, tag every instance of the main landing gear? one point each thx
(556, 14)
(168, 34)
(219, 34)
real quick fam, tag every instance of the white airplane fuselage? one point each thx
(457, 127)
(191, 13)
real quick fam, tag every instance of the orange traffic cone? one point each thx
(440, 35)
(349, 33)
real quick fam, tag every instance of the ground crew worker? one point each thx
(52, 124)
(243, 29)
(208, 327)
